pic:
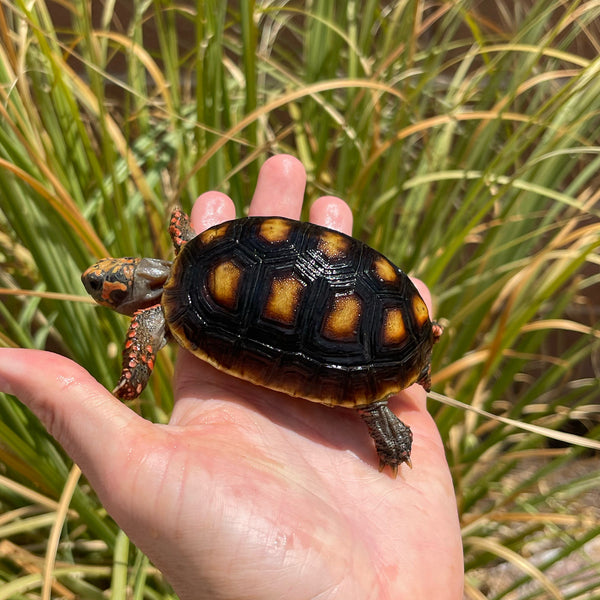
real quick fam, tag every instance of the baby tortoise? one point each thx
(291, 306)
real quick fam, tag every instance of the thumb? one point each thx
(88, 422)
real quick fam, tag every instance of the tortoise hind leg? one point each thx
(393, 439)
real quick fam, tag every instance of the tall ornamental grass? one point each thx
(465, 138)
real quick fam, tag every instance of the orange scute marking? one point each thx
(385, 270)
(420, 310)
(214, 233)
(341, 323)
(394, 329)
(284, 298)
(333, 245)
(223, 282)
(274, 230)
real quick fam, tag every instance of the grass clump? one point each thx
(466, 144)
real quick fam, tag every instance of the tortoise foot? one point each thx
(393, 439)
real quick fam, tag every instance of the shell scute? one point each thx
(284, 299)
(274, 230)
(394, 330)
(223, 284)
(299, 308)
(342, 317)
(333, 245)
(214, 233)
(385, 270)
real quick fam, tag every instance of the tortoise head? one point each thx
(126, 284)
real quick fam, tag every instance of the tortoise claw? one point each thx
(125, 390)
(393, 468)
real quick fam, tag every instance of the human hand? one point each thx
(247, 493)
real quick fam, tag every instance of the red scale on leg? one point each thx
(180, 229)
(145, 337)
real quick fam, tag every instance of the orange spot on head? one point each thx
(110, 287)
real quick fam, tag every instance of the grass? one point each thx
(466, 144)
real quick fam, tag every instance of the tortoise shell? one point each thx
(301, 309)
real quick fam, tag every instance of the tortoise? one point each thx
(288, 305)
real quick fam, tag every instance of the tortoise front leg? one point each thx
(145, 337)
(393, 439)
(180, 229)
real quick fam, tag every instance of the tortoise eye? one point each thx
(95, 283)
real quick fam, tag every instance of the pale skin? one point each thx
(247, 493)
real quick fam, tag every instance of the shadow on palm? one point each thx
(292, 434)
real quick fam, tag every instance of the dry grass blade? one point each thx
(48, 295)
(522, 564)
(56, 531)
(567, 438)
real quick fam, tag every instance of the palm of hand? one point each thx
(283, 497)
(248, 493)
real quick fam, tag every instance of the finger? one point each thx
(280, 188)
(211, 208)
(75, 409)
(332, 212)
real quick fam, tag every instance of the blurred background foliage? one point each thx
(463, 134)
